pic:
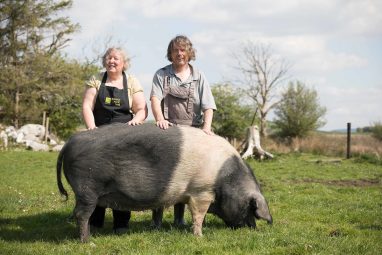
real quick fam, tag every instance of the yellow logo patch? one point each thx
(113, 101)
(116, 101)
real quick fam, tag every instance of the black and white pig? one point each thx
(144, 167)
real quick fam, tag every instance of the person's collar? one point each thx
(194, 72)
(171, 70)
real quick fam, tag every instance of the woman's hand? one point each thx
(134, 122)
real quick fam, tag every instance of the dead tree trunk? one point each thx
(252, 145)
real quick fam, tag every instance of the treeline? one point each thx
(35, 76)
(367, 129)
(375, 130)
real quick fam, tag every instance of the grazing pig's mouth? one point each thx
(235, 225)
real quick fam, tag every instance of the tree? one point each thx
(263, 72)
(54, 85)
(232, 117)
(376, 130)
(29, 27)
(29, 32)
(299, 111)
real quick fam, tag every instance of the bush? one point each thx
(376, 130)
(299, 112)
(232, 116)
(369, 158)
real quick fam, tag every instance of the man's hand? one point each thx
(208, 131)
(163, 124)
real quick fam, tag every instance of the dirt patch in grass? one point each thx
(345, 183)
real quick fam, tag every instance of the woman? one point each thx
(113, 96)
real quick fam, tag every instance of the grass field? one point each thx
(319, 206)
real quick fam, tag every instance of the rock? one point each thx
(11, 132)
(58, 147)
(36, 146)
(32, 135)
(52, 142)
(20, 138)
(33, 130)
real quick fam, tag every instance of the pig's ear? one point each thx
(260, 208)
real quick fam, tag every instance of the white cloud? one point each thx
(306, 53)
(312, 54)
(361, 17)
(268, 17)
(308, 34)
(206, 11)
(359, 106)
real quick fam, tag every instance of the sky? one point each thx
(332, 46)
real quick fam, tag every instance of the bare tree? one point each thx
(263, 73)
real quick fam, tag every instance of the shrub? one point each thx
(299, 112)
(376, 130)
(232, 116)
(369, 158)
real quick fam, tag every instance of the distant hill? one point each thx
(344, 130)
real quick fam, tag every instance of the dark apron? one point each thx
(178, 102)
(112, 104)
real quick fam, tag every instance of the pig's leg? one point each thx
(198, 206)
(157, 216)
(82, 212)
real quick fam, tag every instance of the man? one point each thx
(181, 95)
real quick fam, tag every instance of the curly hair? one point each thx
(126, 59)
(183, 41)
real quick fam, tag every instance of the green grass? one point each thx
(319, 207)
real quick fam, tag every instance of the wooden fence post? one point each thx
(348, 141)
(43, 118)
(46, 130)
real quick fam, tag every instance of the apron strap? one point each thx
(104, 78)
(191, 98)
(166, 84)
(125, 86)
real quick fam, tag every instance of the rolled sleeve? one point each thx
(157, 85)
(206, 98)
(135, 85)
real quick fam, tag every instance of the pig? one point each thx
(144, 167)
